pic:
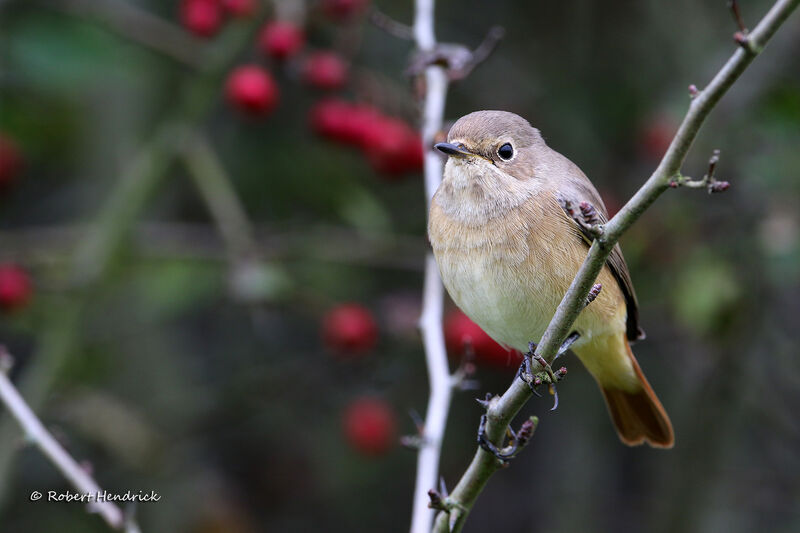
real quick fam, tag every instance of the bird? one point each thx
(507, 251)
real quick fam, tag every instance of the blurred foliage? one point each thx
(202, 375)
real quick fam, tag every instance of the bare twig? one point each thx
(441, 382)
(500, 413)
(97, 251)
(220, 196)
(141, 27)
(37, 434)
(458, 60)
(390, 25)
(51, 245)
(708, 182)
(733, 5)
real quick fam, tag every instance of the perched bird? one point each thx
(508, 251)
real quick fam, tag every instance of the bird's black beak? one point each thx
(457, 150)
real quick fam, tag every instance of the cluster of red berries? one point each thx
(391, 146)
(204, 18)
(15, 284)
(350, 331)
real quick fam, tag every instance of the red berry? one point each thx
(343, 9)
(281, 40)
(392, 147)
(325, 70)
(10, 161)
(369, 425)
(460, 331)
(656, 136)
(342, 121)
(201, 17)
(327, 117)
(349, 330)
(15, 287)
(239, 8)
(251, 89)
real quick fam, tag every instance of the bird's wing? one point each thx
(581, 190)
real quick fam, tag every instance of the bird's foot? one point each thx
(516, 439)
(547, 375)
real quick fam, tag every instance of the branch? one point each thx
(708, 182)
(502, 410)
(458, 60)
(37, 434)
(381, 20)
(96, 253)
(220, 197)
(140, 27)
(441, 382)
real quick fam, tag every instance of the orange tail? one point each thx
(639, 416)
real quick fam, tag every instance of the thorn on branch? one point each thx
(486, 402)
(708, 182)
(733, 5)
(693, 92)
(458, 60)
(437, 501)
(741, 37)
(391, 26)
(418, 440)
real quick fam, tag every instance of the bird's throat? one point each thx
(474, 191)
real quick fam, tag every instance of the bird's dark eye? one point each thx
(505, 152)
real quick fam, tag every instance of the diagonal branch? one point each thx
(220, 197)
(501, 410)
(37, 434)
(139, 26)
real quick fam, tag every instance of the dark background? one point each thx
(142, 359)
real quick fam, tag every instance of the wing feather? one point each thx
(581, 190)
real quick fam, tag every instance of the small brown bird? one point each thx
(508, 251)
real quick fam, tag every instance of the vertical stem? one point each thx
(441, 382)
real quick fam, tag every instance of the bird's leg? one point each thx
(525, 370)
(567, 344)
(483, 441)
(550, 377)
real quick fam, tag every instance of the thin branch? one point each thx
(441, 382)
(98, 250)
(140, 27)
(501, 412)
(457, 60)
(50, 246)
(220, 197)
(391, 26)
(708, 182)
(37, 434)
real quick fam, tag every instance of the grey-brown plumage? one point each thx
(507, 253)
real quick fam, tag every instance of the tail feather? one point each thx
(639, 416)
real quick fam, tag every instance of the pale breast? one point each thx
(509, 273)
